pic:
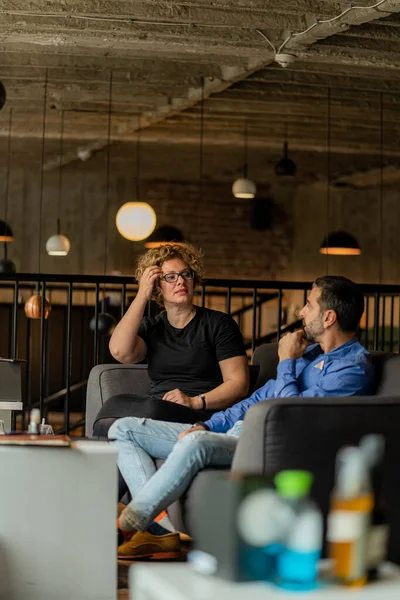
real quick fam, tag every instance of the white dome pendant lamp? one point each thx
(244, 187)
(135, 221)
(58, 244)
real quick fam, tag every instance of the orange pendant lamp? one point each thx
(33, 306)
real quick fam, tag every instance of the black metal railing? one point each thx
(61, 350)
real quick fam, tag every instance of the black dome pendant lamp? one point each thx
(163, 235)
(285, 167)
(336, 243)
(3, 95)
(340, 243)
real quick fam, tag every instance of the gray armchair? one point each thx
(106, 381)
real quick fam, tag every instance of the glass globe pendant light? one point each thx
(135, 221)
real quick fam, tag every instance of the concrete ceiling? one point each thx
(162, 52)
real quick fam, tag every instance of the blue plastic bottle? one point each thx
(297, 563)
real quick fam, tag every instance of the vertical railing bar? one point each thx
(383, 322)
(228, 300)
(123, 299)
(68, 361)
(28, 378)
(279, 313)
(259, 320)
(84, 339)
(203, 295)
(42, 348)
(391, 322)
(254, 327)
(367, 321)
(376, 321)
(9, 326)
(15, 320)
(96, 324)
(398, 328)
(85, 336)
(47, 355)
(14, 342)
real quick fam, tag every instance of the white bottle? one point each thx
(33, 427)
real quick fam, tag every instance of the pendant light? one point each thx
(7, 267)
(244, 187)
(3, 95)
(33, 306)
(106, 322)
(164, 234)
(340, 243)
(336, 243)
(285, 167)
(58, 244)
(135, 221)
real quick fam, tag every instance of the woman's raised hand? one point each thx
(147, 281)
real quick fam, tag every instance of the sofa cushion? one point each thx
(387, 373)
(266, 358)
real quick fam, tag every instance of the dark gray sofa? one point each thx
(287, 433)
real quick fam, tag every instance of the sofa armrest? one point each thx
(306, 433)
(106, 381)
(288, 432)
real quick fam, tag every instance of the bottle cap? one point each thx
(352, 472)
(373, 446)
(293, 484)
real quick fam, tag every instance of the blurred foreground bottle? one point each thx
(350, 516)
(297, 562)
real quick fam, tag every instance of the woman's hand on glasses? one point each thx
(147, 281)
(179, 398)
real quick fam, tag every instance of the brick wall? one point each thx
(219, 224)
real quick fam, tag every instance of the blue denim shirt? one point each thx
(345, 371)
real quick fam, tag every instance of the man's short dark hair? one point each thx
(344, 297)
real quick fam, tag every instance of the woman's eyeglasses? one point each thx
(172, 277)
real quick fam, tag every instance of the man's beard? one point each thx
(313, 330)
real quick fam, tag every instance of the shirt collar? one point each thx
(316, 349)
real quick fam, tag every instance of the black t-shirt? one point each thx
(188, 358)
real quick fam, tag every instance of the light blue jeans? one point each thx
(140, 440)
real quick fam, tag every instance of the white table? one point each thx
(57, 522)
(6, 409)
(179, 582)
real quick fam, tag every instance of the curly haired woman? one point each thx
(196, 357)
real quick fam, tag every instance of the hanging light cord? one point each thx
(201, 157)
(245, 152)
(60, 177)
(381, 189)
(138, 138)
(42, 164)
(6, 192)
(328, 177)
(108, 174)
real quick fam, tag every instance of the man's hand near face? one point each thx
(292, 345)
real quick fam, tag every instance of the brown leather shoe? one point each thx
(146, 545)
